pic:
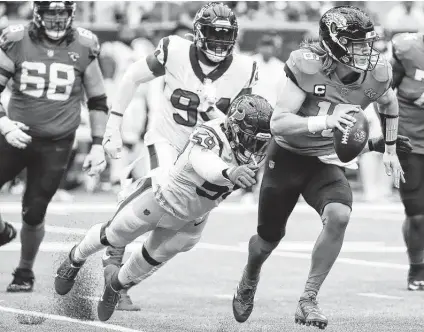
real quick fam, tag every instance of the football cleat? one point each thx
(23, 281)
(308, 313)
(125, 303)
(416, 277)
(8, 234)
(110, 296)
(244, 298)
(66, 274)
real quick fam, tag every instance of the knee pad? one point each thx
(33, 228)
(33, 213)
(264, 246)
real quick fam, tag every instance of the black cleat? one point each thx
(110, 296)
(308, 313)
(8, 234)
(23, 281)
(243, 298)
(66, 274)
(416, 277)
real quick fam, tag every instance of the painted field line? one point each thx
(56, 229)
(381, 296)
(108, 327)
(224, 296)
(109, 207)
(65, 247)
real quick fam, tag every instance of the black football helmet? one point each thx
(50, 18)
(347, 34)
(215, 31)
(248, 128)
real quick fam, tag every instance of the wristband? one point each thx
(390, 128)
(96, 140)
(317, 123)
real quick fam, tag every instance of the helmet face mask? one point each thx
(54, 17)
(348, 36)
(248, 127)
(215, 31)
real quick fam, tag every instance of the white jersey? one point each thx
(192, 97)
(185, 193)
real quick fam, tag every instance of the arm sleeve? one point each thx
(208, 165)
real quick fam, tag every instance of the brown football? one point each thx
(351, 142)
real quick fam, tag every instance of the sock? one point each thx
(137, 268)
(413, 235)
(325, 252)
(259, 251)
(89, 245)
(31, 238)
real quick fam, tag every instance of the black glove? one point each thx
(403, 144)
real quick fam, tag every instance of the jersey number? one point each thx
(212, 191)
(326, 108)
(189, 102)
(61, 80)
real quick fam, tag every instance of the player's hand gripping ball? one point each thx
(349, 143)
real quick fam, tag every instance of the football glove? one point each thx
(95, 162)
(13, 132)
(403, 144)
(243, 176)
(112, 140)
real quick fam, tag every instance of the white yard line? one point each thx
(66, 246)
(224, 296)
(381, 296)
(108, 327)
(110, 207)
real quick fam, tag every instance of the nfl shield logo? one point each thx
(271, 164)
(50, 53)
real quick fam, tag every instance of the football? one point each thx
(351, 142)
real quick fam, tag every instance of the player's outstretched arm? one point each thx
(97, 104)
(213, 169)
(388, 109)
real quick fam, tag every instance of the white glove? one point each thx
(243, 176)
(13, 132)
(95, 162)
(112, 140)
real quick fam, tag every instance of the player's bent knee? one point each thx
(190, 242)
(417, 222)
(336, 215)
(34, 213)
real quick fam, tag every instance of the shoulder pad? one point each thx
(402, 43)
(89, 40)
(206, 137)
(304, 61)
(383, 70)
(11, 35)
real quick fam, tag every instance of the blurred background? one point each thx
(268, 31)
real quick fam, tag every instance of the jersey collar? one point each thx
(214, 74)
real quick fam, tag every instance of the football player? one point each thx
(173, 204)
(201, 78)
(49, 62)
(326, 80)
(408, 78)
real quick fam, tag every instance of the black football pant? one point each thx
(45, 162)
